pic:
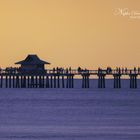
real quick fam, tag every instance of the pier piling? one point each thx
(101, 80)
(117, 80)
(85, 80)
(133, 80)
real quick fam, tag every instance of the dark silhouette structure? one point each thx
(32, 74)
(32, 63)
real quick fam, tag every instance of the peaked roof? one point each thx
(31, 60)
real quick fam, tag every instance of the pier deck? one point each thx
(14, 78)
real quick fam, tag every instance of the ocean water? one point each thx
(71, 114)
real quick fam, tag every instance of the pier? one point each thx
(64, 79)
(32, 74)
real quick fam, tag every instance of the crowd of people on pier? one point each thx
(60, 70)
(69, 70)
(9, 70)
(119, 70)
(79, 70)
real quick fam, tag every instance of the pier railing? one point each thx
(72, 71)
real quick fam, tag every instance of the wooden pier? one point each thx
(64, 78)
(32, 74)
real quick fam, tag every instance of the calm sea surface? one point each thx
(70, 114)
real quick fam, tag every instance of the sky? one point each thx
(85, 33)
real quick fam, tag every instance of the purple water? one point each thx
(70, 114)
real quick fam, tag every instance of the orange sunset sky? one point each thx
(74, 33)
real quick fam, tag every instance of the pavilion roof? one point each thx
(32, 59)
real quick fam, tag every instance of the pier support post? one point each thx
(63, 82)
(85, 80)
(54, 80)
(28, 81)
(58, 81)
(10, 81)
(36, 81)
(101, 80)
(1, 81)
(6, 81)
(117, 80)
(40, 82)
(17, 82)
(70, 82)
(51, 81)
(47, 82)
(32, 82)
(13, 81)
(67, 86)
(133, 80)
(43, 81)
(24, 82)
(21, 81)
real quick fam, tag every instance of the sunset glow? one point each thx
(74, 33)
